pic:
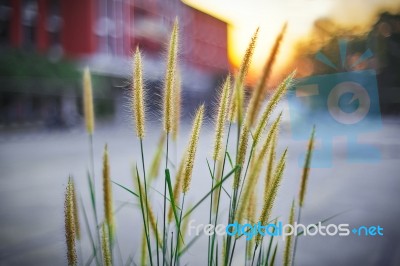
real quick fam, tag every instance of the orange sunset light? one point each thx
(243, 17)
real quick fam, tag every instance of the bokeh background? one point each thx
(45, 44)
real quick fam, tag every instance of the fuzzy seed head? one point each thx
(177, 105)
(191, 149)
(289, 240)
(105, 246)
(156, 162)
(270, 194)
(107, 191)
(273, 101)
(220, 120)
(306, 168)
(240, 158)
(88, 101)
(170, 78)
(137, 104)
(76, 212)
(238, 99)
(70, 231)
(257, 96)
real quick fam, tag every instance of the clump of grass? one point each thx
(245, 169)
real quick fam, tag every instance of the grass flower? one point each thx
(107, 193)
(257, 95)
(105, 246)
(306, 168)
(289, 240)
(273, 101)
(271, 191)
(137, 105)
(156, 162)
(70, 230)
(88, 101)
(177, 105)
(191, 149)
(238, 99)
(170, 76)
(76, 212)
(220, 119)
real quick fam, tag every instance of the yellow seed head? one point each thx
(221, 117)
(218, 177)
(107, 191)
(273, 101)
(240, 158)
(105, 246)
(257, 96)
(254, 172)
(251, 217)
(191, 149)
(270, 194)
(170, 78)
(156, 162)
(177, 105)
(143, 255)
(238, 100)
(76, 212)
(289, 240)
(70, 231)
(88, 101)
(306, 168)
(137, 104)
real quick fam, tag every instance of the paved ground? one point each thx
(34, 169)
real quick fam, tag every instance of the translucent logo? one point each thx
(343, 104)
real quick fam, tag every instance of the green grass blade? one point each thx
(171, 195)
(127, 189)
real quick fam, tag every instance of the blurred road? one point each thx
(34, 169)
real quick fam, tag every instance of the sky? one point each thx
(244, 16)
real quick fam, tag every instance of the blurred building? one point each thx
(103, 34)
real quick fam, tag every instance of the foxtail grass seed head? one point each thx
(287, 255)
(306, 168)
(177, 105)
(238, 100)
(273, 101)
(107, 191)
(137, 105)
(76, 212)
(251, 217)
(257, 95)
(220, 120)
(270, 163)
(88, 101)
(70, 231)
(156, 162)
(170, 78)
(143, 255)
(218, 177)
(240, 158)
(192, 147)
(270, 194)
(254, 172)
(105, 246)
